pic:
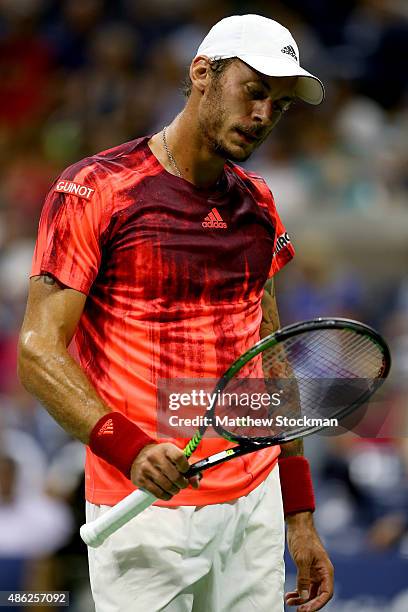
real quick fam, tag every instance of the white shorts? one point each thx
(224, 557)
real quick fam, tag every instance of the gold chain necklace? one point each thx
(170, 154)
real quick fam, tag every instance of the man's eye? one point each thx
(256, 94)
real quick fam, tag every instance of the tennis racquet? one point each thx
(331, 366)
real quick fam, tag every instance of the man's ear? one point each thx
(199, 72)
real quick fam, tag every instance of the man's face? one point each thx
(240, 108)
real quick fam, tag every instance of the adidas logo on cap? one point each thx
(214, 220)
(290, 51)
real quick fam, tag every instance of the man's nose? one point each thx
(263, 112)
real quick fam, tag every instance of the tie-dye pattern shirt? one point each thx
(174, 277)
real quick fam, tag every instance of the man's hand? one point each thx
(159, 469)
(314, 569)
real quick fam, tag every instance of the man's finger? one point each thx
(294, 599)
(178, 458)
(303, 580)
(320, 597)
(195, 481)
(166, 484)
(153, 488)
(160, 479)
(168, 469)
(316, 604)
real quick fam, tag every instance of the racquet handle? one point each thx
(95, 532)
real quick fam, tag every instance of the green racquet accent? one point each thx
(193, 444)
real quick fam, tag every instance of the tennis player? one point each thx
(156, 257)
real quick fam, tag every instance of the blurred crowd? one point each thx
(80, 76)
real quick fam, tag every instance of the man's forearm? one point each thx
(293, 471)
(50, 374)
(270, 316)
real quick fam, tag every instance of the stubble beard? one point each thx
(211, 123)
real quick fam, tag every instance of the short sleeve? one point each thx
(283, 250)
(72, 222)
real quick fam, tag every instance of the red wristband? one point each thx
(118, 441)
(296, 485)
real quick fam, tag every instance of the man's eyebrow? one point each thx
(268, 87)
(265, 84)
(258, 80)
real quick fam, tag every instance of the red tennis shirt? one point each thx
(174, 276)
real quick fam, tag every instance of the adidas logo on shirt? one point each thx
(214, 220)
(290, 51)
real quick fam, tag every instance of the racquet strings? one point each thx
(316, 374)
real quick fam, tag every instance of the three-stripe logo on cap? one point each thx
(214, 220)
(290, 51)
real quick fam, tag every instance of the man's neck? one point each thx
(192, 157)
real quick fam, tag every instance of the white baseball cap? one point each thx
(266, 46)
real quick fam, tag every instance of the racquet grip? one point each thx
(95, 532)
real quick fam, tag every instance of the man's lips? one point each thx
(248, 138)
